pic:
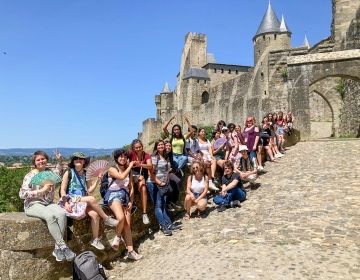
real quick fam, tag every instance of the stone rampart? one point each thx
(26, 245)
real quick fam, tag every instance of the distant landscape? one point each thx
(66, 152)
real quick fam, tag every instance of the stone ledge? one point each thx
(323, 57)
(22, 233)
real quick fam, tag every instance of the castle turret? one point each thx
(306, 42)
(271, 34)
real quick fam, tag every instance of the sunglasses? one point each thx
(78, 158)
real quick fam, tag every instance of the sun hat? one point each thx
(243, 148)
(79, 155)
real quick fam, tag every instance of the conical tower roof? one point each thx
(166, 88)
(270, 22)
(283, 25)
(306, 42)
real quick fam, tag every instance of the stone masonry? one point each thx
(283, 78)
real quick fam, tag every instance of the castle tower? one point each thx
(344, 11)
(271, 34)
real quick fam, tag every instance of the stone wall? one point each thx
(26, 245)
(344, 12)
(350, 112)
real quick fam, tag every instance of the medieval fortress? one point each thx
(319, 84)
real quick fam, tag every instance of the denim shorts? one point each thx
(196, 195)
(118, 196)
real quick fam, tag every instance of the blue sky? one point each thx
(83, 73)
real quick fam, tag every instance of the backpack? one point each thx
(86, 267)
(104, 185)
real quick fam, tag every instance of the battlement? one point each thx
(196, 36)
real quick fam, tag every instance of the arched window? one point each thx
(204, 97)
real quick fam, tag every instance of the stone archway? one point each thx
(305, 75)
(325, 103)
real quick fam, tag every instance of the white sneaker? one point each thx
(145, 219)
(111, 222)
(97, 244)
(212, 186)
(280, 155)
(260, 168)
(277, 156)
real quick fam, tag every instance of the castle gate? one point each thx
(307, 72)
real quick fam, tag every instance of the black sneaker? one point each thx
(173, 227)
(221, 208)
(166, 231)
(58, 254)
(170, 208)
(175, 206)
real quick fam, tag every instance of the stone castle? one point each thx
(319, 84)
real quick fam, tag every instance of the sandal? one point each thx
(116, 242)
(187, 217)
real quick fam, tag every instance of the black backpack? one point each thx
(104, 185)
(86, 267)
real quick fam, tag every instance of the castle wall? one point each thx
(344, 11)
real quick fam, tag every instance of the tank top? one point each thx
(250, 135)
(204, 149)
(177, 146)
(76, 187)
(119, 184)
(197, 186)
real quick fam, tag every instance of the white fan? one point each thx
(96, 168)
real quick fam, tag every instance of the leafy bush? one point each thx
(10, 183)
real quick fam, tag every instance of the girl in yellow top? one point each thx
(178, 143)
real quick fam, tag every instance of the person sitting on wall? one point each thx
(232, 190)
(178, 143)
(245, 167)
(75, 187)
(39, 203)
(142, 162)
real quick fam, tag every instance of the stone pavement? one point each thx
(302, 223)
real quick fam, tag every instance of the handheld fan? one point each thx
(219, 142)
(96, 168)
(45, 177)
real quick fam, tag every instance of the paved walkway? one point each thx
(302, 223)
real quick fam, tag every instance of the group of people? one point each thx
(221, 164)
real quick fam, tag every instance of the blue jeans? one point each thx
(179, 161)
(233, 194)
(160, 205)
(252, 156)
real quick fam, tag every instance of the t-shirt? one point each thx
(234, 176)
(246, 164)
(136, 170)
(193, 145)
(177, 146)
(161, 168)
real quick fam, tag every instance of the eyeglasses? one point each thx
(249, 121)
(243, 152)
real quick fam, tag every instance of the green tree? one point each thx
(10, 183)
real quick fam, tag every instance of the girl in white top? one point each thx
(196, 189)
(119, 206)
(206, 150)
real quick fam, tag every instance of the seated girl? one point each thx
(159, 186)
(196, 189)
(245, 168)
(39, 203)
(120, 198)
(232, 190)
(75, 187)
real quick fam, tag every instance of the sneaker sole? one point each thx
(58, 260)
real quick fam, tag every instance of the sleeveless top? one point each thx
(204, 149)
(119, 184)
(178, 146)
(76, 186)
(197, 186)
